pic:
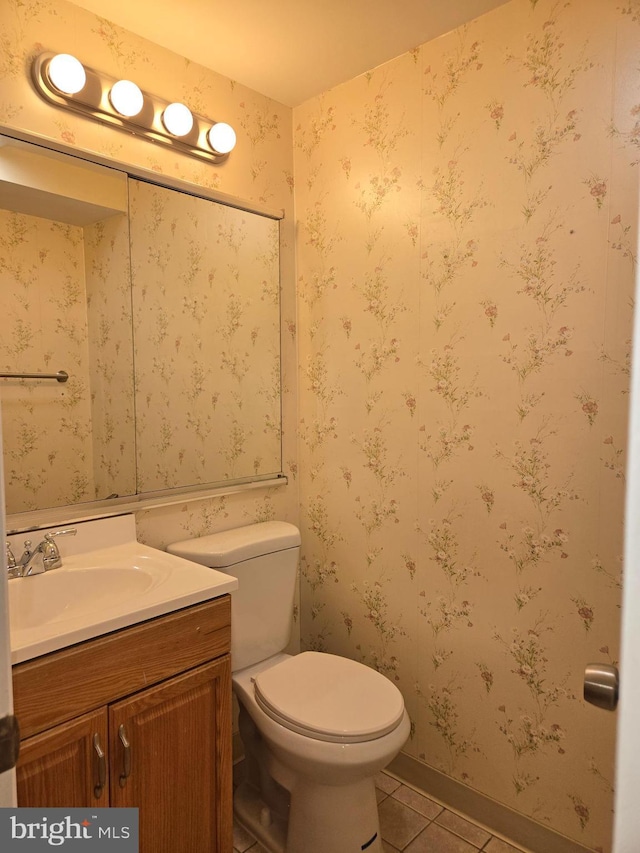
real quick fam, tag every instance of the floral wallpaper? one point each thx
(260, 170)
(108, 283)
(205, 297)
(460, 342)
(466, 264)
(66, 295)
(44, 307)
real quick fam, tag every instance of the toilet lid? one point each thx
(330, 698)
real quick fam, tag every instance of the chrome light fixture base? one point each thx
(93, 101)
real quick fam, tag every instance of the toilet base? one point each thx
(322, 818)
(252, 813)
(334, 819)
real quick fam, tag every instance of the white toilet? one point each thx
(316, 727)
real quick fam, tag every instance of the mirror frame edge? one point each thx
(23, 522)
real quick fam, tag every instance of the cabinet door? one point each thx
(65, 766)
(171, 758)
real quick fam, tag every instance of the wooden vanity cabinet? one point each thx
(60, 768)
(138, 718)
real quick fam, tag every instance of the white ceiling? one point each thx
(290, 50)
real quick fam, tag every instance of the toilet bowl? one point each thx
(316, 727)
(324, 759)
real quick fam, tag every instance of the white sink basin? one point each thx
(59, 595)
(102, 589)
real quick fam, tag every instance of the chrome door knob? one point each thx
(602, 685)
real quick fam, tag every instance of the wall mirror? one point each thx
(162, 307)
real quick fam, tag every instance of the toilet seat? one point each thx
(329, 698)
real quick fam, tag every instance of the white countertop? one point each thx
(107, 581)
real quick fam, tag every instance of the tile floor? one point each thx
(412, 823)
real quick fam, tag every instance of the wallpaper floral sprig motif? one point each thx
(471, 403)
(57, 280)
(260, 170)
(466, 263)
(206, 287)
(375, 349)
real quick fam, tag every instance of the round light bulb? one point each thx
(177, 119)
(222, 138)
(66, 73)
(126, 98)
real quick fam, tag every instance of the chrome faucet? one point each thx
(42, 558)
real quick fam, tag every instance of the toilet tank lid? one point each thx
(238, 544)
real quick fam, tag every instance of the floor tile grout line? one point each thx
(457, 835)
(411, 840)
(447, 829)
(498, 836)
(435, 820)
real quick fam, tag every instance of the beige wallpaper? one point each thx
(466, 257)
(466, 266)
(108, 283)
(259, 170)
(207, 339)
(67, 300)
(42, 283)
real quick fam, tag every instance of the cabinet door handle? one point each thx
(126, 756)
(102, 766)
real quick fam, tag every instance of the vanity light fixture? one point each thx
(67, 74)
(222, 137)
(126, 98)
(64, 81)
(178, 119)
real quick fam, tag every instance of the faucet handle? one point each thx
(68, 531)
(51, 555)
(49, 537)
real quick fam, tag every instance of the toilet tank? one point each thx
(264, 559)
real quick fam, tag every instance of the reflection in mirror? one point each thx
(64, 280)
(96, 267)
(207, 332)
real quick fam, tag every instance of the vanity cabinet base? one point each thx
(165, 750)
